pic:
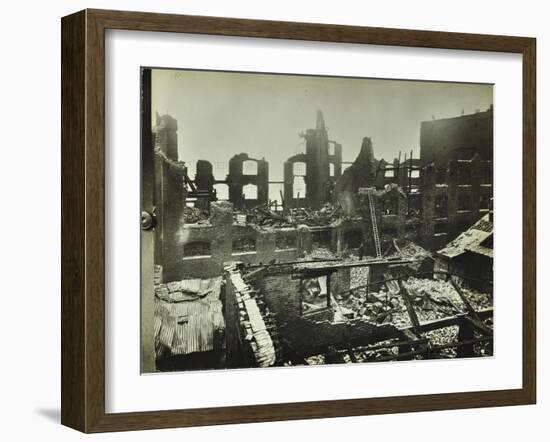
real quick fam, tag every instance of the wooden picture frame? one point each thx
(83, 219)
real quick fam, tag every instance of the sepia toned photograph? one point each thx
(305, 220)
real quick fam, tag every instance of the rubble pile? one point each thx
(323, 217)
(381, 307)
(264, 215)
(411, 250)
(439, 292)
(432, 299)
(194, 215)
(320, 253)
(316, 360)
(359, 276)
(444, 336)
(376, 352)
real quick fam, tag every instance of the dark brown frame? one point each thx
(83, 216)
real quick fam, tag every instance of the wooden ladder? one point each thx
(374, 225)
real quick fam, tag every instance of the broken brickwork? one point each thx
(240, 176)
(322, 161)
(169, 194)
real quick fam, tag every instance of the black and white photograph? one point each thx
(304, 220)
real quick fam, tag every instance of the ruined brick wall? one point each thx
(237, 179)
(317, 159)
(282, 296)
(361, 174)
(314, 333)
(224, 241)
(390, 205)
(321, 157)
(290, 200)
(169, 196)
(457, 138)
(204, 181)
(466, 188)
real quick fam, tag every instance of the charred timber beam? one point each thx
(449, 321)
(415, 275)
(411, 354)
(410, 308)
(374, 347)
(465, 300)
(476, 324)
(405, 350)
(254, 273)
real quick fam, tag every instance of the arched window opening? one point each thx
(244, 244)
(299, 187)
(196, 248)
(250, 192)
(299, 168)
(222, 191)
(250, 167)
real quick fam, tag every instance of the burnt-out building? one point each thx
(457, 174)
(310, 177)
(242, 286)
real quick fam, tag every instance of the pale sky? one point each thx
(221, 114)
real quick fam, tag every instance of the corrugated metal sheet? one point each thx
(190, 316)
(471, 240)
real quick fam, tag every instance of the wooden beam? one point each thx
(410, 308)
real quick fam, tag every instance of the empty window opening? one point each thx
(389, 231)
(484, 202)
(390, 206)
(321, 239)
(299, 168)
(250, 167)
(314, 294)
(299, 187)
(196, 248)
(283, 242)
(331, 169)
(244, 244)
(440, 228)
(415, 205)
(389, 173)
(415, 174)
(250, 192)
(441, 206)
(464, 173)
(275, 192)
(222, 191)
(441, 176)
(464, 202)
(353, 239)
